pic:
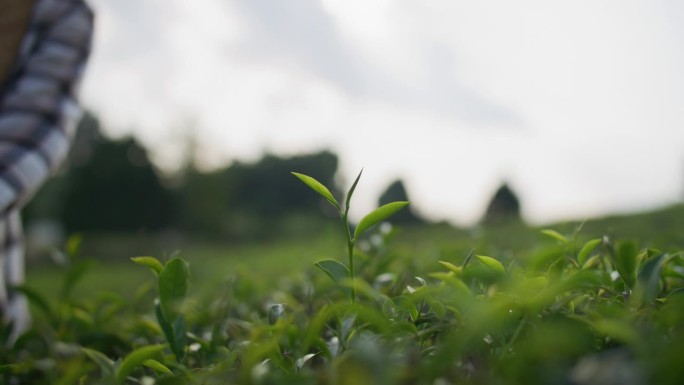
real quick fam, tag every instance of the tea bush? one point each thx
(601, 311)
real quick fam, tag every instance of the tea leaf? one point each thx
(351, 190)
(626, 262)
(555, 235)
(318, 187)
(157, 366)
(545, 256)
(649, 279)
(378, 215)
(452, 281)
(451, 267)
(334, 269)
(586, 250)
(151, 262)
(167, 329)
(555, 271)
(135, 359)
(105, 364)
(180, 336)
(173, 286)
(492, 263)
(337, 271)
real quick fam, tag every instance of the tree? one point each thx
(397, 192)
(504, 206)
(253, 200)
(112, 186)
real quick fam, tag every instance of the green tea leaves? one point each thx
(173, 286)
(555, 235)
(378, 215)
(626, 262)
(334, 269)
(337, 271)
(351, 191)
(105, 364)
(527, 315)
(649, 279)
(492, 264)
(151, 262)
(169, 333)
(318, 187)
(586, 250)
(136, 358)
(451, 267)
(157, 366)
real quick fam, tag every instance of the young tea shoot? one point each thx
(334, 269)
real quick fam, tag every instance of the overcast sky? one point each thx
(579, 105)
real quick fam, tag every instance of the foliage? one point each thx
(565, 310)
(504, 206)
(251, 201)
(335, 270)
(114, 179)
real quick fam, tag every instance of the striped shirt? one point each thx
(38, 113)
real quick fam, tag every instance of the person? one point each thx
(44, 46)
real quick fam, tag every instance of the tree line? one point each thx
(111, 185)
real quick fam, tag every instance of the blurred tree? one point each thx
(107, 185)
(204, 201)
(397, 192)
(88, 136)
(252, 200)
(111, 186)
(504, 206)
(270, 189)
(117, 189)
(49, 200)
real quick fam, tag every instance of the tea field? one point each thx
(571, 303)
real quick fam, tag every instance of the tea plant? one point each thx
(567, 311)
(334, 269)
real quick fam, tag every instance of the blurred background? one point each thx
(541, 113)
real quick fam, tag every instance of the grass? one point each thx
(212, 262)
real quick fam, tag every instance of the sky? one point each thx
(577, 105)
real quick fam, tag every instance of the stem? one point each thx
(514, 337)
(350, 252)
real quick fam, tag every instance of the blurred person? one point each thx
(44, 45)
